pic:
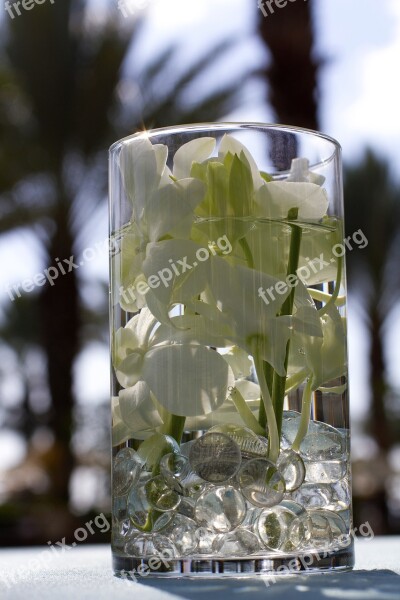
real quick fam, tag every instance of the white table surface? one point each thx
(84, 573)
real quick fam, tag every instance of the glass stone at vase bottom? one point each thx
(180, 530)
(151, 545)
(250, 444)
(323, 529)
(240, 542)
(276, 529)
(215, 457)
(261, 482)
(221, 509)
(291, 466)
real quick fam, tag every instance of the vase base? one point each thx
(265, 566)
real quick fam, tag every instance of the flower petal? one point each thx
(170, 205)
(140, 164)
(232, 145)
(276, 198)
(195, 151)
(129, 370)
(137, 409)
(187, 380)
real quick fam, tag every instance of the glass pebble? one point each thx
(261, 482)
(126, 472)
(323, 529)
(138, 506)
(120, 508)
(250, 444)
(220, 508)
(215, 457)
(147, 545)
(186, 507)
(174, 468)
(180, 530)
(327, 471)
(275, 526)
(335, 497)
(238, 544)
(125, 454)
(160, 496)
(252, 514)
(205, 539)
(291, 466)
(323, 446)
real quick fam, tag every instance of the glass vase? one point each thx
(230, 422)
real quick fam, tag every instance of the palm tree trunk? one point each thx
(379, 425)
(293, 71)
(59, 305)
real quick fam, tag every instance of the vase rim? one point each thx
(228, 125)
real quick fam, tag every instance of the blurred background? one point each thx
(76, 76)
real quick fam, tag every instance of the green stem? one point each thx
(174, 427)
(269, 376)
(322, 311)
(323, 297)
(273, 434)
(279, 383)
(244, 411)
(293, 382)
(305, 415)
(247, 252)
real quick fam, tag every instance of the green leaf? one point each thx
(240, 187)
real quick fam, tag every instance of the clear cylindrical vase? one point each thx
(230, 421)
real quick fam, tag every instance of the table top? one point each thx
(85, 573)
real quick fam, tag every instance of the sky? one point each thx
(360, 99)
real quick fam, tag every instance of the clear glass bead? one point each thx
(160, 496)
(215, 457)
(261, 482)
(220, 509)
(237, 544)
(180, 530)
(250, 444)
(275, 526)
(148, 545)
(291, 466)
(126, 471)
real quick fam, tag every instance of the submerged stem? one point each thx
(279, 383)
(245, 412)
(174, 427)
(269, 377)
(273, 434)
(322, 311)
(305, 415)
(247, 252)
